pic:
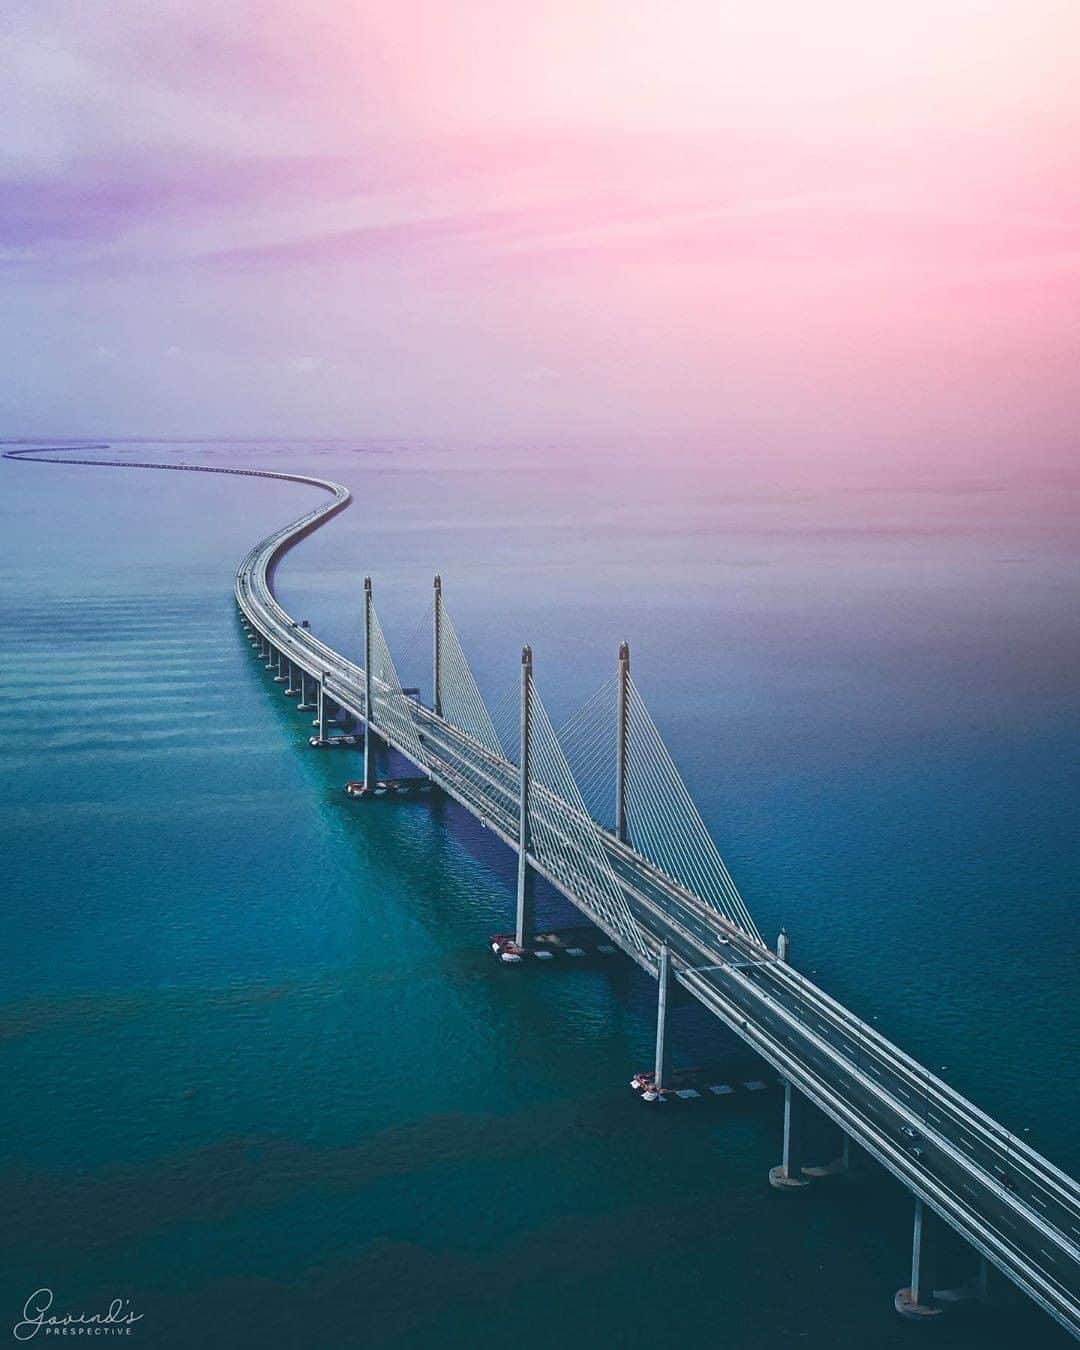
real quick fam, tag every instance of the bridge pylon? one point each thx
(621, 697)
(526, 907)
(436, 650)
(369, 739)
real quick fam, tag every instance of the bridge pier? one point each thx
(916, 1301)
(291, 689)
(789, 1174)
(840, 1164)
(305, 704)
(322, 708)
(271, 656)
(663, 978)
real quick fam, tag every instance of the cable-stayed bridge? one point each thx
(644, 870)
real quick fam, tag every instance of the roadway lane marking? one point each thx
(1038, 1199)
(1049, 1255)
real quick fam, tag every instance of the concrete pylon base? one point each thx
(914, 1312)
(780, 1180)
(280, 679)
(829, 1169)
(963, 1293)
(306, 707)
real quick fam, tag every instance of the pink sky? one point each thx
(830, 230)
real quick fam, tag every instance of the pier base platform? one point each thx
(906, 1306)
(568, 944)
(694, 1085)
(390, 789)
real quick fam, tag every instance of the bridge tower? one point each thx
(525, 920)
(436, 651)
(369, 748)
(620, 741)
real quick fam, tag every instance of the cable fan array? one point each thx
(563, 836)
(569, 807)
(391, 710)
(460, 698)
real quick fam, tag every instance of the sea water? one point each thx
(261, 1073)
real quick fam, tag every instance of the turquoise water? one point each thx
(261, 1073)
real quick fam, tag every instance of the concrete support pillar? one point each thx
(789, 1174)
(271, 656)
(663, 977)
(622, 693)
(293, 687)
(917, 1300)
(839, 1164)
(525, 911)
(305, 691)
(436, 651)
(281, 677)
(322, 707)
(982, 1279)
(369, 708)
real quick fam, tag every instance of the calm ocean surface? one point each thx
(261, 1074)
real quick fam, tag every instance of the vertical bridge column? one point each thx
(280, 677)
(322, 706)
(620, 742)
(525, 919)
(916, 1302)
(436, 651)
(663, 976)
(789, 1174)
(369, 748)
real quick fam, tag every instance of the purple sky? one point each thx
(844, 230)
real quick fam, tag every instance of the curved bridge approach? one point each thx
(651, 879)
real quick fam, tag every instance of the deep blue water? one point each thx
(261, 1074)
